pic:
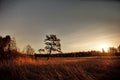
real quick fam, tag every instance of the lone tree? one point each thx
(52, 44)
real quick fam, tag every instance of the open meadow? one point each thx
(81, 68)
(59, 39)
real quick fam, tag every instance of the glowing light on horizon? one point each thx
(104, 46)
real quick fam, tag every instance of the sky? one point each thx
(81, 25)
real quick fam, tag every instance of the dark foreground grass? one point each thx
(106, 68)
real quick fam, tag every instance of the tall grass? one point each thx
(60, 69)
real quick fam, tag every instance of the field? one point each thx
(81, 68)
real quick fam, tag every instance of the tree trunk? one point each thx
(49, 52)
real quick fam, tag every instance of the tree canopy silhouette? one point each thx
(4, 43)
(52, 44)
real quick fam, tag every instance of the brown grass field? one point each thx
(82, 68)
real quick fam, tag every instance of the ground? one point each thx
(80, 68)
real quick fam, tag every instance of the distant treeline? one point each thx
(77, 54)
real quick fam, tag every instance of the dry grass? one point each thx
(91, 68)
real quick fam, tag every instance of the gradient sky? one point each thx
(81, 25)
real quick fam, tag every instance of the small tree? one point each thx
(118, 48)
(29, 50)
(103, 51)
(12, 45)
(52, 44)
(112, 50)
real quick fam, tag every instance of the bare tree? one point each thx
(11, 46)
(29, 50)
(52, 44)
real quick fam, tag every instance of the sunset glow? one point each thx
(104, 46)
(81, 25)
(59, 39)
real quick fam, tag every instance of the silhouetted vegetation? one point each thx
(8, 48)
(95, 65)
(112, 51)
(79, 54)
(52, 44)
(28, 50)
